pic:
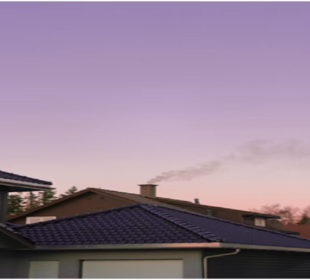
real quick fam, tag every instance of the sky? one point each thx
(208, 100)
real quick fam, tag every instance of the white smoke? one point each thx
(258, 151)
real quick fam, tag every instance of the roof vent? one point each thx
(196, 200)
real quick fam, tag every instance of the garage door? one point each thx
(133, 269)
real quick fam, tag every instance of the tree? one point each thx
(15, 204)
(47, 196)
(69, 191)
(304, 220)
(31, 201)
(305, 216)
(288, 214)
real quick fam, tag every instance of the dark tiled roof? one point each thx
(12, 176)
(146, 223)
(9, 230)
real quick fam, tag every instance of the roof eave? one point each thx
(24, 186)
(211, 245)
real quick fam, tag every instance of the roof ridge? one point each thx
(76, 216)
(202, 233)
(239, 224)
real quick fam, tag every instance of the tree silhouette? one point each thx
(15, 204)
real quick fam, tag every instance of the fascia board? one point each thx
(212, 245)
(16, 183)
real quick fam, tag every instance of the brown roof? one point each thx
(134, 198)
(304, 230)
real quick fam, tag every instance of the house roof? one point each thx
(15, 177)
(136, 198)
(303, 230)
(147, 223)
(130, 197)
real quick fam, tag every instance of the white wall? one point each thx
(43, 269)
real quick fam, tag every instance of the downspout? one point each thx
(215, 256)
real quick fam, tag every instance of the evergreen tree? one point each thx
(69, 191)
(304, 220)
(47, 196)
(31, 201)
(15, 204)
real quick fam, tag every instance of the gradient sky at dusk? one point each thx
(110, 95)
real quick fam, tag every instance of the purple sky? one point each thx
(111, 95)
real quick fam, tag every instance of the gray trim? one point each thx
(262, 247)
(170, 246)
(16, 183)
(3, 205)
(129, 246)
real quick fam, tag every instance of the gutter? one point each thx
(205, 263)
(13, 183)
(211, 245)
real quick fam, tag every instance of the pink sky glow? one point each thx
(112, 95)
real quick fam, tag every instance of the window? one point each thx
(43, 269)
(261, 222)
(31, 220)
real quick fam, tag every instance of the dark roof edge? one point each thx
(21, 178)
(11, 233)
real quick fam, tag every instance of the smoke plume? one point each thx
(254, 152)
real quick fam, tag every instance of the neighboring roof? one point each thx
(137, 198)
(209, 207)
(260, 215)
(304, 230)
(133, 198)
(15, 177)
(146, 223)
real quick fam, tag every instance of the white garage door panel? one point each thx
(133, 269)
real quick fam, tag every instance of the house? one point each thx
(141, 240)
(93, 199)
(149, 241)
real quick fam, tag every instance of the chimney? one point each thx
(148, 190)
(196, 200)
